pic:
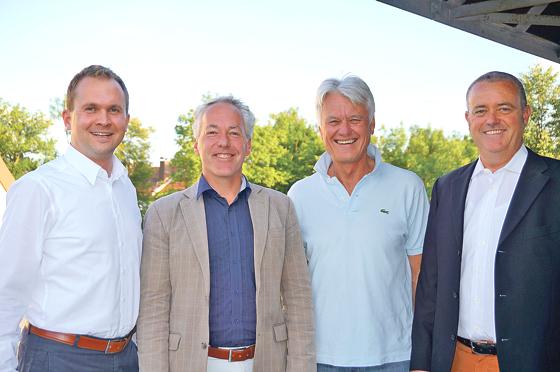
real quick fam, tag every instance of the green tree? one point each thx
(23, 139)
(134, 152)
(426, 151)
(542, 134)
(185, 161)
(283, 151)
(262, 165)
(302, 143)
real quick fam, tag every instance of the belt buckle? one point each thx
(473, 348)
(478, 346)
(229, 355)
(107, 347)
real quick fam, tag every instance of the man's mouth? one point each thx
(494, 131)
(223, 156)
(101, 134)
(346, 141)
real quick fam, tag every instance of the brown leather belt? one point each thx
(84, 342)
(232, 355)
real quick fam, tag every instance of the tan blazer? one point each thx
(175, 286)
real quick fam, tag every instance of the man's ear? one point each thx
(372, 127)
(67, 118)
(527, 111)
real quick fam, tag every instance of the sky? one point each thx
(271, 54)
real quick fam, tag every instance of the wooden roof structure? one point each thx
(532, 26)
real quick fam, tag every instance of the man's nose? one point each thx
(103, 117)
(223, 140)
(345, 127)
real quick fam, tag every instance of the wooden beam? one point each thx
(516, 19)
(534, 10)
(494, 6)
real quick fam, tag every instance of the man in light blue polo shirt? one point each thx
(363, 223)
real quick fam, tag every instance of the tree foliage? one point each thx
(426, 151)
(283, 151)
(134, 153)
(542, 134)
(185, 161)
(23, 139)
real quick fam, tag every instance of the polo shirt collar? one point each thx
(203, 185)
(515, 165)
(89, 169)
(325, 160)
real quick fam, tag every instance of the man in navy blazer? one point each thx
(488, 296)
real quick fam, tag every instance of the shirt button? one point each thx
(204, 345)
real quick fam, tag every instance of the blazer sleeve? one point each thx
(426, 292)
(155, 294)
(296, 292)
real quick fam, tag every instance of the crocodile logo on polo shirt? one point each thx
(382, 210)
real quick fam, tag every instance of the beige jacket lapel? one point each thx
(195, 222)
(258, 206)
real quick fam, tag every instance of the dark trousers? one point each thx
(37, 354)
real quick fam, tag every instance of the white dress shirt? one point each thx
(70, 246)
(488, 199)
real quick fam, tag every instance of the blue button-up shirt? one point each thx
(233, 313)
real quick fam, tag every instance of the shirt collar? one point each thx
(89, 169)
(515, 165)
(203, 185)
(325, 160)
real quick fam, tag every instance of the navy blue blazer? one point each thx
(527, 273)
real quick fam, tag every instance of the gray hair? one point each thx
(351, 87)
(494, 76)
(246, 114)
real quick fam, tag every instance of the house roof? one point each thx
(532, 26)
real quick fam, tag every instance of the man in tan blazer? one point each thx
(224, 279)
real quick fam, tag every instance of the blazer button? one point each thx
(204, 345)
(452, 337)
(455, 295)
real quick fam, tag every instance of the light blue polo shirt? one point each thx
(357, 247)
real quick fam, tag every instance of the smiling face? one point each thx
(345, 129)
(98, 120)
(496, 121)
(222, 144)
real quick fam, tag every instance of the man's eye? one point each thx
(90, 109)
(115, 109)
(234, 133)
(479, 112)
(333, 122)
(505, 109)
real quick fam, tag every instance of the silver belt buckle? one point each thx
(107, 347)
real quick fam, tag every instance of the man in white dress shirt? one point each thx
(70, 245)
